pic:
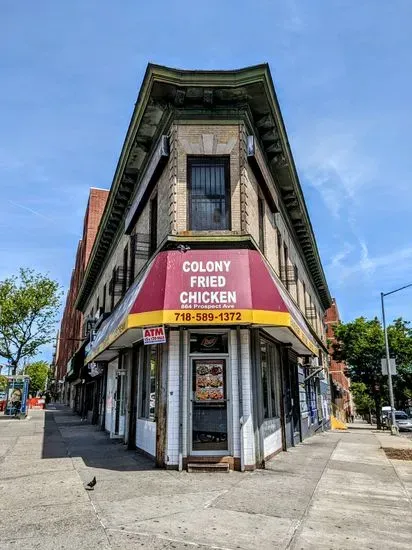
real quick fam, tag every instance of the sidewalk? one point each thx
(337, 490)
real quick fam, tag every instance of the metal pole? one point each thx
(394, 429)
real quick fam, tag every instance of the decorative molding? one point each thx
(208, 145)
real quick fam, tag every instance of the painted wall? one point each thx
(110, 391)
(146, 436)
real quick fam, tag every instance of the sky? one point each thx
(70, 72)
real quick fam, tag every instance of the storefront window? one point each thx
(270, 365)
(148, 383)
(208, 343)
(265, 385)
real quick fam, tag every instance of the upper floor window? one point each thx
(279, 243)
(261, 216)
(104, 298)
(153, 226)
(125, 270)
(208, 193)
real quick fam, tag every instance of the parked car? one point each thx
(403, 422)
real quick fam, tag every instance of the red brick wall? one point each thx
(72, 320)
(337, 368)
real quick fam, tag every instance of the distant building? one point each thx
(206, 279)
(71, 334)
(340, 383)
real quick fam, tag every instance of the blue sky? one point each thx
(71, 71)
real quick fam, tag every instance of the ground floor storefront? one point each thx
(218, 367)
(231, 395)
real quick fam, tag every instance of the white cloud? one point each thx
(390, 265)
(331, 159)
(336, 260)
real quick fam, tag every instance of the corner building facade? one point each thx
(206, 234)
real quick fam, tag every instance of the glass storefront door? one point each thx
(209, 395)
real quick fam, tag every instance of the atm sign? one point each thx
(154, 335)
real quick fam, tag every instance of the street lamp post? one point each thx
(388, 366)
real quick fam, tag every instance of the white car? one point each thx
(403, 421)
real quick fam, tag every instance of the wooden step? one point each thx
(206, 467)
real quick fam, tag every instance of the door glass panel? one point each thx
(208, 343)
(153, 367)
(209, 414)
(264, 370)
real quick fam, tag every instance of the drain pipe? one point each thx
(240, 386)
(181, 359)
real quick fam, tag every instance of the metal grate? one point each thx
(209, 196)
(141, 246)
(287, 275)
(311, 313)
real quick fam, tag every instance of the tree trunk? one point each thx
(377, 399)
(14, 368)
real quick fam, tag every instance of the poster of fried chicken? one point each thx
(209, 379)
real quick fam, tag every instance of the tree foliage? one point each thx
(3, 382)
(363, 402)
(29, 304)
(361, 345)
(38, 372)
(400, 346)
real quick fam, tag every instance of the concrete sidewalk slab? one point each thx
(393, 441)
(335, 491)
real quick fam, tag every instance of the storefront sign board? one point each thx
(154, 335)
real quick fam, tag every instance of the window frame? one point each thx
(280, 252)
(296, 277)
(104, 298)
(209, 160)
(153, 222)
(132, 268)
(145, 384)
(261, 223)
(125, 281)
(271, 395)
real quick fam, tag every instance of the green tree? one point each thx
(29, 304)
(361, 344)
(363, 402)
(3, 382)
(400, 347)
(38, 372)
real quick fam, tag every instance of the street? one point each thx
(336, 490)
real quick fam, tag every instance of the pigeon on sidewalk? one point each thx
(91, 484)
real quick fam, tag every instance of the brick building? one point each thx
(71, 334)
(340, 383)
(206, 279)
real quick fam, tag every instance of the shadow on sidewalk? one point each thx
(65, 435)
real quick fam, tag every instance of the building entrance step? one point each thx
(193, 467)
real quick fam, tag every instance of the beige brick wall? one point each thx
(163, 205)
(251, 204)
(206, 139)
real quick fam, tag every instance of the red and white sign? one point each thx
(154, 335)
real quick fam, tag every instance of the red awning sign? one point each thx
(204, 287)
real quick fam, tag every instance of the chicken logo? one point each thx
(209, 341)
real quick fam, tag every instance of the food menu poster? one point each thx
(209, 380)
